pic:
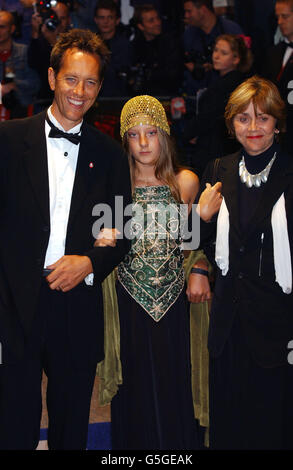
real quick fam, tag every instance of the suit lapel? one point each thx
(84, 176)
(35, 158)
(278, 62)
(230, 189)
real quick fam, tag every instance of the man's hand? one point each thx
(210, 201)
(51, 36)
(36, 24)
(69, 271)
(207, 66)
(190, 66)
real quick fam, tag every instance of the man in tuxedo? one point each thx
(107, 20)
(156, 55)
(54, 170)
(40, 47)
(278, 63)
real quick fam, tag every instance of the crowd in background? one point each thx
(160, 48)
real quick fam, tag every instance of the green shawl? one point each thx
(109, 370)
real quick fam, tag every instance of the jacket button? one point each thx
(242, 249)
(45, 228)
(240, 276)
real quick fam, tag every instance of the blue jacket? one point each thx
(25, 79)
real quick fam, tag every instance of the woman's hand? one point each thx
(107, 237)
(210, 201)
(198, 288)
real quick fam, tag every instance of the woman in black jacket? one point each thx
(251, 320)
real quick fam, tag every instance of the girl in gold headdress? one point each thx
(153, 408)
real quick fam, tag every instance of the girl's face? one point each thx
(224, 59)
(144, 145)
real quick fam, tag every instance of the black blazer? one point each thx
(272, 61)
(271, 66)
(102, 172)
(250, 290)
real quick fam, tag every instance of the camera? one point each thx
(49, 17)
(136, 76)
(199, 59)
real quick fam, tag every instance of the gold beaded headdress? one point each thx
(141, 110)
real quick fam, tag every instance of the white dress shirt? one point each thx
(62, 160)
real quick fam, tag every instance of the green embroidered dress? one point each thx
(152, 272)
(153, 408)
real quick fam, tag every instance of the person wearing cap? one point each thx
(153, 408)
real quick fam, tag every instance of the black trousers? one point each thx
(69, 387)
(251, 406)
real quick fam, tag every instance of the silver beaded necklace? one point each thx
(254, 180)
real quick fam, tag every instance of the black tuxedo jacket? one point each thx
(272, 61)
(102, 172)
(266, 313)
(271, 66)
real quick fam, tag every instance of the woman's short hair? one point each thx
(263, 94)
(84, 40)
(239, 49)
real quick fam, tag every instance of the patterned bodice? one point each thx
(152, 272)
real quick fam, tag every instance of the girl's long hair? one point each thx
(166, 167)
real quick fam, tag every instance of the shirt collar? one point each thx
(74, 130)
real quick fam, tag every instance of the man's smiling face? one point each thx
(75, 86)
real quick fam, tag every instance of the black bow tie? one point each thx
(56, 133)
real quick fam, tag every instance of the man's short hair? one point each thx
(199, 3)
(288, 2)
(84, 40)
(140, 10)
(108, 5)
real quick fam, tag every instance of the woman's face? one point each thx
(224, 59)
(144, 145)
(255, 131)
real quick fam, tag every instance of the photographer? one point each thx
(107, 19)
(203, 27)
(18, 81)
(44, 36)
(157, 56)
